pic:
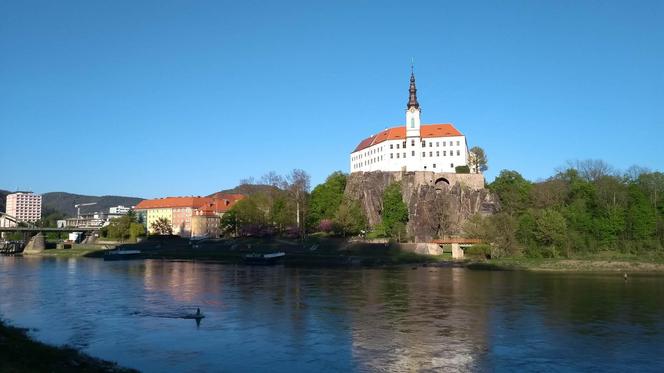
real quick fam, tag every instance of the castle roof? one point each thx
(399, 133)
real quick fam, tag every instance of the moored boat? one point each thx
(256, 258)
(122, 254)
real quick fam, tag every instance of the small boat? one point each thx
(122, 254)
(256, 258)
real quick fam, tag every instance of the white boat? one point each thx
(256, 258)
(122, 254)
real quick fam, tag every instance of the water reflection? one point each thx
(294, 319)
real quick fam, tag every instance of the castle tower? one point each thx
(412, 109)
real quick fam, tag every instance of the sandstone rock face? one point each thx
(438, 203)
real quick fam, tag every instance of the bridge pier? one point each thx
(36, 245)
(457, 251)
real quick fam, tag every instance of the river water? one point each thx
(282, 319)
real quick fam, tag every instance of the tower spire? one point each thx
(412, 97)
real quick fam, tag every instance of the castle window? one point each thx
(437, 145)
(430, 154)
(404, 154)
(404, 145)
(397, 155)
(458, 152)
(452, 165)
(413, 153)
(434, 165)
(391, 146)
(437, 154)
(412, 122)
(458, 143)
(424, 144)
(391, 156)
(444, 143)
(424, 154)
(397, 146)
(412, 143)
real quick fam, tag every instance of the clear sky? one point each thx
(155, 98)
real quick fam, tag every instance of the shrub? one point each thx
(479, 250)
(462, 169)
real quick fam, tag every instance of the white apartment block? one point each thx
(413, 147)
(119, 210)
(24, 206)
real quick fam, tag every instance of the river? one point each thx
(282, 319)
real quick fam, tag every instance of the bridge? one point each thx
(458, 244)
(33, 237)
(9, 223)
(44, 230)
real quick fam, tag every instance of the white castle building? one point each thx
(413, 147)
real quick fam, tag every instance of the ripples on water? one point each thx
(292, 319)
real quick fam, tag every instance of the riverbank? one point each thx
(19, 353)
(336, 251)
(604, 262)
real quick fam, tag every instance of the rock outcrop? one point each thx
(438, 203)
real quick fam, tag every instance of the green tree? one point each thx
(394, 215)
(512, 190)
(478, 159)
(350, 218)
(551, 230)
(162, 227)
(640, 219)
(136, 230)
(326, 199)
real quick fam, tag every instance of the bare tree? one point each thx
(592, 169)
(248, 181)
(273, 179)
(298, 183)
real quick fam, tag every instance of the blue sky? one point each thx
(154, 98)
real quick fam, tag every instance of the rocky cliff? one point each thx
(438, 203)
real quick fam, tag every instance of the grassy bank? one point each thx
(19, 353)
(600, 262)
(76, 251)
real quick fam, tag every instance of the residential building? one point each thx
(413, 146)
(91, 220)
(24, 206)
(188, 216)
(119, 210)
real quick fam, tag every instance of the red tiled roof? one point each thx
(397, 133)
(218, 203)
(170, 202)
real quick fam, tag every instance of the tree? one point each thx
(298, 183)
(592, 169)
(162, 226)
(551, 230)
(513, 191)
(136, 230)
(640, 219)
(350, 218)
(394, 215)
(478, 159)
(326, 199)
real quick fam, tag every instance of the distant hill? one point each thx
(64, 202)
(248, 189)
